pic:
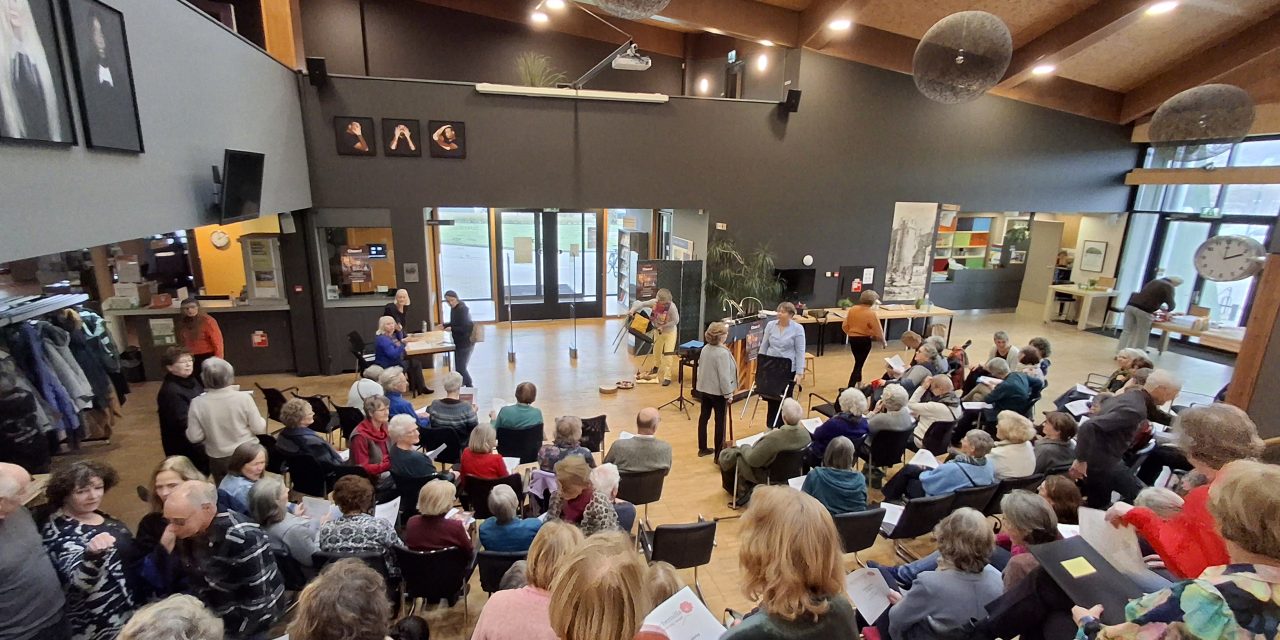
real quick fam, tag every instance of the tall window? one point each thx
(464, 260)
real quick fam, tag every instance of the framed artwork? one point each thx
(448, 139)
(1093, 256)
(34, 101)
(910, 251)
(354, 136)
(401, 138)
(100, 55)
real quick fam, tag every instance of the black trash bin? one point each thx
(131, 365)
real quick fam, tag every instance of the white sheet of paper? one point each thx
(316, 509)
(750, 439)
(1118, 546)
(345, 454)
(1077, 407)
(975, 406)
(468, 521)
(892, 512)
(1166, 474)
(1069, 530)
(684, 617)
(1086, 390)
(388, 511)
(625, 435)
(511, 463)
(1156, 427)
(436, 451)
(868, 591)
(896, 363)
(797, 482)
(498, 404)
(811, 424)
(924, 458)
(989, 381)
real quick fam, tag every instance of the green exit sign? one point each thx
(1211, 212)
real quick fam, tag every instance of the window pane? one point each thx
(1166, 158)
(576, 256)
(522, 251)
(1176, 257)
(464, 259)
(1257, 153)
(1137, 250)
(1252, 199)
(1189, 198)
(361, 261)
(1226, 300)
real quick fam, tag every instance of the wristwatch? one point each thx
(1090, 626)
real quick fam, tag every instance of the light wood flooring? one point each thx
(570, 387)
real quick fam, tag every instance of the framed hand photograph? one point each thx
(448, 139)
(355, 136)
(401, 138)
(100, 55)
(34, 101)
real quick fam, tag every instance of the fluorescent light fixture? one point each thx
(767, 43)
(1162, 7)
(1043, 69)
(715, 31)
(704, 86)
(539, 17)
(571, 94)
(762, 62)
(555, 4)
(840, 24)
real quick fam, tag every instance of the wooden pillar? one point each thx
(282, 30)
(1257, 338)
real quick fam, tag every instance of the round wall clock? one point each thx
(1228, 258)
(220, 239)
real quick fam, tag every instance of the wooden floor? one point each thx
(570, 387)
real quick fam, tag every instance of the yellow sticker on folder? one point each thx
(1078, 567)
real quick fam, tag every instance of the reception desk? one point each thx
(970, 289)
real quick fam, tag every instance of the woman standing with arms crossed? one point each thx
(717, 380)
(666, 320)
(200, 334)
(783, 338)
(863, 328)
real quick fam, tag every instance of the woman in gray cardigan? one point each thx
(717, 380)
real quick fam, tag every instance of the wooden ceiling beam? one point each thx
(1244, 55)
(813, 20)
(1085, 29)
(746, 19)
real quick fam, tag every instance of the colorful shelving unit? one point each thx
(966, 240)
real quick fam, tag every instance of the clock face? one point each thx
(220, 239)
(1228, 258)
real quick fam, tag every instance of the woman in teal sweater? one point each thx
(835, 484)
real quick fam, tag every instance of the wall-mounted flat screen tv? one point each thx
(241, 185)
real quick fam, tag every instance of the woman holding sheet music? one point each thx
(784, 338)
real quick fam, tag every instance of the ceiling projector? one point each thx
(631, 60)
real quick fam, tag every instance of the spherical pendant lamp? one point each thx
(962, 56)
(632, 9)
(1202, 122)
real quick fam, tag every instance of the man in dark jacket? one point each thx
(1139, 312)
(460, 325)
(1103, 440)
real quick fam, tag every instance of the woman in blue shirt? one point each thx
(388, 347)
(784, 338)
(506, 531)
(394, 385)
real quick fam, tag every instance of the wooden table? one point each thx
(35, 492)
(427, 345)
(885, 313)
(1225, 338)
(1087, 296)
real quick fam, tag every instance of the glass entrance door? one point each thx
(550, 264)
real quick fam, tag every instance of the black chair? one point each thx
(858, 530)
(1060, 470)
(275, 460)
(685, 546)
(435, 576)
(495, 564)
(642, 488)
(326, 415)
(408, 487)
(348, 419)
(313, 478)
(1009, 485)
(974, 497)
(827, 408)
(785, 466)
(275, 400)
(431, 438)
(886, 449)
(917, 518)
(360, 350)
(521, 443)
(376, 560)
(292, 572)
(593, 430)
(938, 437)
(478, 491)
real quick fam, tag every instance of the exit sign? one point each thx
(733, 56)
(1211, 212)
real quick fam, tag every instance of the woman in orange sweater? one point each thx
(863, 328)
(200, 334)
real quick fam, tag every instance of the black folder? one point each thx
(1105, 586)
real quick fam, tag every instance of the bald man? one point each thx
(644, 451)
(228, 559)
(31, 597)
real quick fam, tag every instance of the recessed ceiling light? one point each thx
(1043, 69)
(762, 61)
(767, 43)
(539, 17)
(715, 31)
(555, 4)
(840, 24)
(704, 86)
(1162, 7)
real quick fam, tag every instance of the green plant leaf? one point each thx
(534, 70)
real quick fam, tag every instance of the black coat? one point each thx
(173, 401)
(460, 325)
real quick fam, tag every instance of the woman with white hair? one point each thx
(968, 468)
(224, 417)
(388, 344)
(605, 479)
(1139, 312)
(269, 507)
(506, 531)
(750, 463)
(932, 402)
(849, 423)
(365, 387)
(1013, 455)
(29, 106)
(406, 459)
(450, 412)
(395, 383)
(665, 319)
(179, 617)
(835, 484)
(891, 413)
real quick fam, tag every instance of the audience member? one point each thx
(835, 484)
(522, 414)
(1043, 348)
(1102, 441)
(643, 452)
(663, 582)
(178, 617)
(577, 502)
(365, 387)
(605, 480)
(1003, 348)
(480, 459)
(1063, 497)
(1018, 392)
(506, 531)
(412, 628)
(89, 550)
(717, 382)
(394, 385)
(567, 442)
(1127, 360)
(891, 413)
(1028, 520)
(1056, 449)
(227, 560)
(173, 403)
(1013, 455)
(357, 531)
(749, 464)
(1162, 501)
(406, 460)
(1029, 362)
(790, 559)
(246, 466)
(293, 534)
(850, 423)
(431, 529)
(224, 417)
(600, 592)
(31, 600)
(298, 439)
(941, 363)
(451, 411)
(968, 468)
(388, 344)
(347, 601)
(924, 363)
(523, 613)
(154, 536)
(369, 444)
(934, 402)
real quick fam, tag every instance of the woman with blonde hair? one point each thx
(155, 541)
(1013, 455)
(524, 613)
(665, 320)
(717, 381)
(480, 459)
(601, 593)
(431, 530)
(862, 325)
(347, 601)
(789, 554)
(577, 502)
(388, 344)
(566, 442)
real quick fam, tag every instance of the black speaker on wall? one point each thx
(792, 103)
(317, 72)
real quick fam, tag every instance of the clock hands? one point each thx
(1232, 257)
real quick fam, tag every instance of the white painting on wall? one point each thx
(910, 250)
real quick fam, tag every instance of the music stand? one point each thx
(680, 402)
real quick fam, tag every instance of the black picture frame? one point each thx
(108, 100)
(57, 126)
(401, 145)
(348, 140)
(459, 142)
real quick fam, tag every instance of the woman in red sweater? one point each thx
(431, 530)
(1188, 543)
(368, 445)
(479, 459)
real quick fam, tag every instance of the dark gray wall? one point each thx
(201, 89)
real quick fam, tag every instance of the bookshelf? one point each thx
(966, 240)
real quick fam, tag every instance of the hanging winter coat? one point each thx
(42, 414)
(95, 328)
(34, 363)
(87, 357)
(21, 440)
(58, 353)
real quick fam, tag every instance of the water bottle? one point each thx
(928, 306)
(424, 326)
